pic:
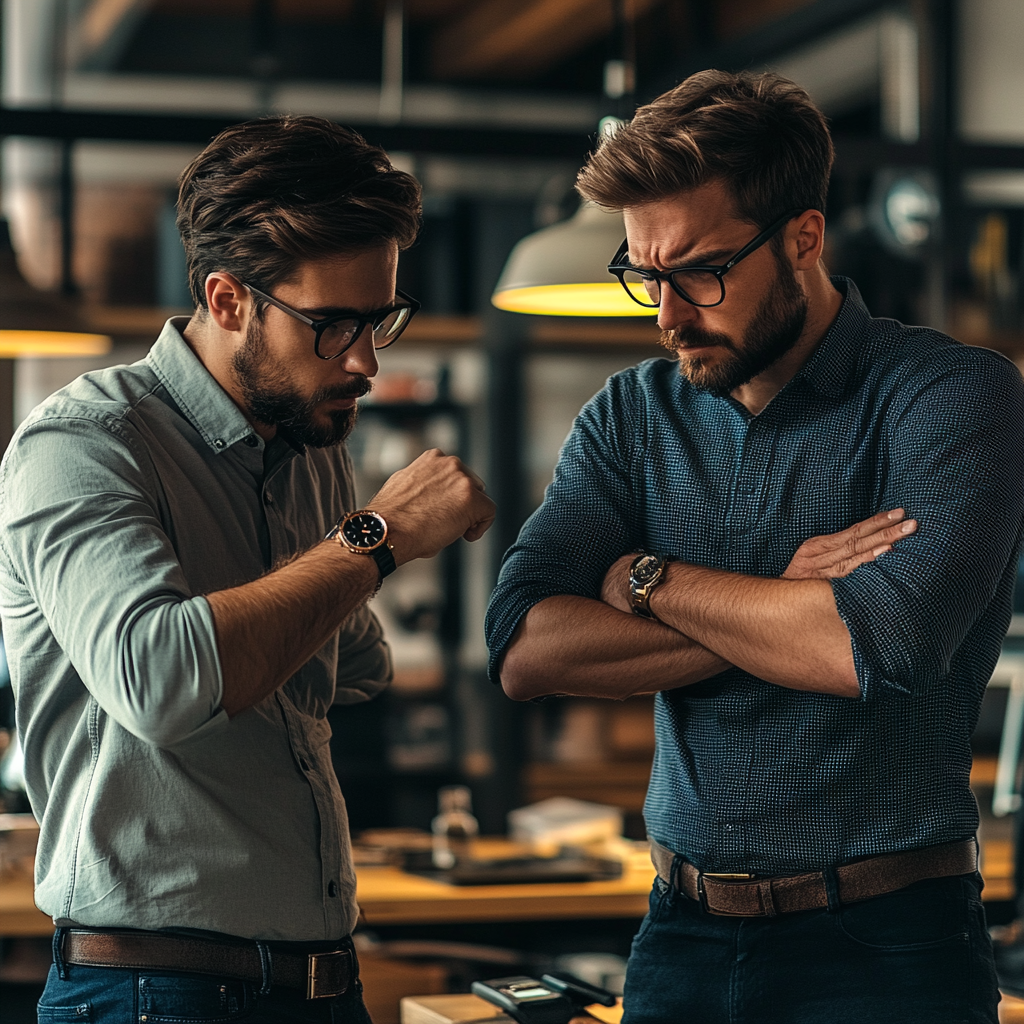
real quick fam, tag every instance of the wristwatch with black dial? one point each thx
(365, 532)
(645, 573)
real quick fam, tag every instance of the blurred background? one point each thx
(494, 104)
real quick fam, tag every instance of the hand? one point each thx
(432, 502)
(838, 554)
(615, 588)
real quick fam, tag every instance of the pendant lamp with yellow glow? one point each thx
(37, 323)
(562, 270)
(34, 323)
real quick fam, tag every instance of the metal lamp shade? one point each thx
(563, 270)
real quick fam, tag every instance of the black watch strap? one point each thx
(385, 559)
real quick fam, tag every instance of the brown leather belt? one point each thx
(318, 975)
(742, 895)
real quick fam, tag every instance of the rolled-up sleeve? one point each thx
(85, 539)
(587, 519)
(955, 462)
(364, 659)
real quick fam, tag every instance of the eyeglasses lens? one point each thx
(642, 289)
(385, 331)
(336, 337)
(700, 287)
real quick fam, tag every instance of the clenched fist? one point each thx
(432, 502)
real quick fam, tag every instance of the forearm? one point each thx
(267, 629)
(584, 648)
(785, 631)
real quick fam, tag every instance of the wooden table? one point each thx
(389, 896)
(18, 913)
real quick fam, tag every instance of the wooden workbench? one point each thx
(390, 896)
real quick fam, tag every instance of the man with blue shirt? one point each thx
(802, 535)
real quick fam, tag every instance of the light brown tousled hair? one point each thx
(267, 195)
(758, 134)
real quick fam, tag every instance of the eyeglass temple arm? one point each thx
(281, 306)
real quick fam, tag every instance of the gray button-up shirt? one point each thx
(124, 498)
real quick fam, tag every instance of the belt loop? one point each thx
(702, 898)
(675, 877)
(267, 967)
(58, 953)
(831, 879)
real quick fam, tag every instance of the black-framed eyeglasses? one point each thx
(699, 285)
(335, 334)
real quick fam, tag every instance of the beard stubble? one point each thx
(774, 330)
(271, 398)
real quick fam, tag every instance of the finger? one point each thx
(887, 535)
(877, 522)
(477, 530)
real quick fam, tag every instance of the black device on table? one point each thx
(556, 999)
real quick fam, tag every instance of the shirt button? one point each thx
(268, 498)
(303, 764)
(251, 440)
(218, 442)
(332, 889)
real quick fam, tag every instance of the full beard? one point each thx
(774, 330)
(270, 398)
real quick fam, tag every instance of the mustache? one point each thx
(680, 339)
(355, 388)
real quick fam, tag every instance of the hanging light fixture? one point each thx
(562, 270)
(37, 323)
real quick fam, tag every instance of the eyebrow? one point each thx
(710, 258)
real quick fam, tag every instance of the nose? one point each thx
(361, 357)
(674, 311)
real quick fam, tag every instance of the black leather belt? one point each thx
(744, 895)
(318, 975)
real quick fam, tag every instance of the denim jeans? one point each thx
(110, 995)
(921, 954)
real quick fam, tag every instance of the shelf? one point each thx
(124, 322)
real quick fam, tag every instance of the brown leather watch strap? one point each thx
(319, 975)
(749, 896)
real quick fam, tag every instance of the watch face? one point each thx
(647, 569)
(366, 530)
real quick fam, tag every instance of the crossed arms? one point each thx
(708, 621)
(841, 620)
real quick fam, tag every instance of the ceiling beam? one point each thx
(853, 154)
(199, 129)
(520, 38)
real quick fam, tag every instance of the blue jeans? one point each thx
(921, 954)
(109, 995)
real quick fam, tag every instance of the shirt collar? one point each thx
(829, 370)
(205, 404)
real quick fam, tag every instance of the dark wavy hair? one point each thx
(759, 134)
(267, 195)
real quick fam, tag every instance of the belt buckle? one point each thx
(316, 983)
(718, 876)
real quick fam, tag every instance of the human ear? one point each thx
(228, 301)
(807, 234)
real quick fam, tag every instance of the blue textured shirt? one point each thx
(751, 776)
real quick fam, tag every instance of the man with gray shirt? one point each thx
(177, 624)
